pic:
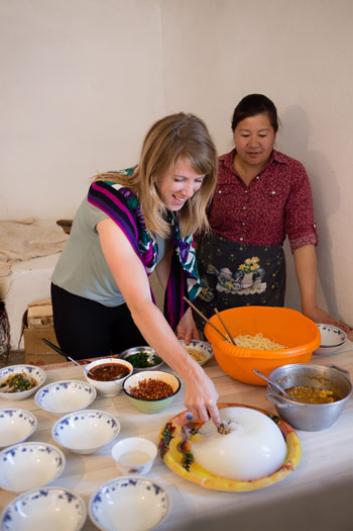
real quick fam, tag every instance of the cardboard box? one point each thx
(37, 324)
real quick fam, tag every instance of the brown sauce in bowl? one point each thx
(108, 371)
(313, 395)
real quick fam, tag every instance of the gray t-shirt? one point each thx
(82, 268)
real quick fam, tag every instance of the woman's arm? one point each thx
(306, 270)
(131, 278)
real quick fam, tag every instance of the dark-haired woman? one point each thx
(262, 196)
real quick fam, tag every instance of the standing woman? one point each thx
(130, 221)
(262, 196)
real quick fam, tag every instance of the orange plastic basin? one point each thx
(283, 325)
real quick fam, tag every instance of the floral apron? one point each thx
(236, 274)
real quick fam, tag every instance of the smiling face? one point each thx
(254, 138)
(179, 184)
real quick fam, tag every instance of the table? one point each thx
(317, 496)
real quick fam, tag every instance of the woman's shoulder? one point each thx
(293, 163)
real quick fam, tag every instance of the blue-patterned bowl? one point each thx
(29, 371)
(46, 508)
(65, 396)
(30, 465)
(85, 431)
(16, 425)
(127, 502)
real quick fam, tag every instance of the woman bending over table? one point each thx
(262, 196)
(130, 221)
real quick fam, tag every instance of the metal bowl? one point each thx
(310, 417)
(137, 350)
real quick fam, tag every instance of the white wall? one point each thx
(81, 80)
(301, 55)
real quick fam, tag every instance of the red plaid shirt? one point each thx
(276, 203)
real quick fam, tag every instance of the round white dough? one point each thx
(255, 447)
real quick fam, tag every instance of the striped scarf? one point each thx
(123, 207)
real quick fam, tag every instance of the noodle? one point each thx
(258, 341)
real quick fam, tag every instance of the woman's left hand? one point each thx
(320, 316)
(186, 328)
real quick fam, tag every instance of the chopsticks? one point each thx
(229, 335)
(205, 318)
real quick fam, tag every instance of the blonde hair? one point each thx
(177, 136)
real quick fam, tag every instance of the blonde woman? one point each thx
(130, 221)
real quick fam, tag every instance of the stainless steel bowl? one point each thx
(136, 350)
(310, 417)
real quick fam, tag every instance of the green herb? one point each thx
(144, 359)
(18, 382)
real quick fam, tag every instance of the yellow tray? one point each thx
(172, 436)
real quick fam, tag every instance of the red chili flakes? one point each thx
(150, 389)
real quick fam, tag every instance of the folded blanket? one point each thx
(24, 239)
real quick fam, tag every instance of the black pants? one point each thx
(85, 328)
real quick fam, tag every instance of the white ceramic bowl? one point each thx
(29, 466)
(137, 350)
(85, 431)
(201, 351)
(112, 387)
(65, 396)
(128, 503)
(134, 455)
(51, 508)
(16, 425)
(332, 338)
(151, 406)
(30, 370)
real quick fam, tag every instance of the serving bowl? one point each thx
(29, 371)
(16, 425)
(285, 326)
(65, 396)
(151, 405)
(200, 351)
(85, 431)
(142, 358)
(111, 387)
(30, 465)
(331, 338)
(134, 455)
(128, 503)
(51, 508)
(306, 416)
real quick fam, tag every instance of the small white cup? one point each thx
(134, 455)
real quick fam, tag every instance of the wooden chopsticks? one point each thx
(206, 319)
(229, 335)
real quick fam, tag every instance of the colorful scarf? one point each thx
(123, 207)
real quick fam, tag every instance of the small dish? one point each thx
(30, 465)
(29, 371)
(112, 387)
(331, 338)
(86, 431)
(52, 508)
(16, 425)
(200, 351)
(147, 357)
(132, 503)
(151, 405)
(134, 455)
(65, 396)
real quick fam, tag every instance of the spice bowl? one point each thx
(108, 374)
(142, 358)
(310, 416)
(32, 377)
(134, 455)
(147, 391)
(331, 338)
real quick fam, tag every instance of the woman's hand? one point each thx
(201, 398)
(186, 328)
(320, 316)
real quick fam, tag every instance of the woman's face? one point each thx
(179, 184)
(254, 138)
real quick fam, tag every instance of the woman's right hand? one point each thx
(201, 398)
